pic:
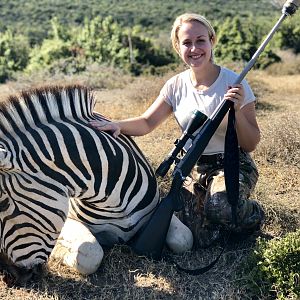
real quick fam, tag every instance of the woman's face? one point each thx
(195, 45)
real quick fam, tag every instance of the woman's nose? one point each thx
(193, 47)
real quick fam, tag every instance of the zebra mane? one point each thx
(40, 104)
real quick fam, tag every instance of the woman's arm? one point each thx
(247, 128)
(141, 125)
(246, 125)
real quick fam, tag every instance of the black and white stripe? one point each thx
(54, 165)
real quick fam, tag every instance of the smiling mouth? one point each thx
(196, 56)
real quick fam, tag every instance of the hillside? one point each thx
(33, 17)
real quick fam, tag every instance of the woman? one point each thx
(203, 86)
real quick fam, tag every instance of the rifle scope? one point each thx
(196, 121)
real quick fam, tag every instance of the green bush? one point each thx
(239, 39)
(69, 48)
(289, 34)
(49, 52)
(58, 47)
(274, 267)
(104, 40)
(101, 41)
(14, 53)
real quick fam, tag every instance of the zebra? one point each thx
(67, 189)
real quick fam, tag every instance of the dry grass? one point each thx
(96, 77)
(289, 65)
(124, 275)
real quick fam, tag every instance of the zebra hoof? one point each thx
(179, 237)
(78, 248)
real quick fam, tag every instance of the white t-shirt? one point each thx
(184, 98)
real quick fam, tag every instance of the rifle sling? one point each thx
(231, 164)
(202, 270)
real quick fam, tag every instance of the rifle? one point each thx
(196, 121)
(150, 240)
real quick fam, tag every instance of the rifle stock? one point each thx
(151, 239)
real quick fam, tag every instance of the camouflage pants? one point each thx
(206, 209)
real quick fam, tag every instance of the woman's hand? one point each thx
(113, 127)
(236, 94)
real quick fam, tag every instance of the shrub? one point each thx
(238, 41)
(289, 35)
(101, 41)
(55, 53)
(14, 53)
(274, 267)
(48, 53)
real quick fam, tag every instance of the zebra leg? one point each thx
(179, 237)
(78, 248)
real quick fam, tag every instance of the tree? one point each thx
(14, 54)
(238, 41)
(105, 41)
(57, 47)
(289, 35)
(102, 41)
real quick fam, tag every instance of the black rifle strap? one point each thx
(231, 164)
(199, 271)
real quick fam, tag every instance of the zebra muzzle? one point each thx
(14, 275)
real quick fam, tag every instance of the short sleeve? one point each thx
(167, 92)
(249, 95)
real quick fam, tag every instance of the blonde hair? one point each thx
(188, 17)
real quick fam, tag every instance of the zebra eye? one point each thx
(4, 204)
